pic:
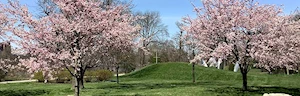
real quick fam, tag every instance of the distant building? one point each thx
(5, 50)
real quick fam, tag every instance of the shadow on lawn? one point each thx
(22, 92)
(146, 86)
(220, 88)
(234, 91)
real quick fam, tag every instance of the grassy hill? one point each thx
(170, 79)
(181, 71)
(258, 82)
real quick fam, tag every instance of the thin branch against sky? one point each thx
(173, 10)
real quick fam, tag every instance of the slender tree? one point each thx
(180, 40)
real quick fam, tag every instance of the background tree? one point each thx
(179, 38)
(152, 30)
(46, 7)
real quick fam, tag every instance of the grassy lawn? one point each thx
(170, 79)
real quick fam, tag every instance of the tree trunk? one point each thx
(81, 81)
(142, 58)
(244, 71)
(193, 66)
(224, 64)
(117, 74)
(193, 73)
(77, 86)
(287, 71)
(245, 81)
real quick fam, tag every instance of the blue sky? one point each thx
(173, 10)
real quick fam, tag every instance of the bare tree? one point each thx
(45, 7)
(152, 30)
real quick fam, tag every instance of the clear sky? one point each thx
(173, 10)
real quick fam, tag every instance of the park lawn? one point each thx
(169, 79)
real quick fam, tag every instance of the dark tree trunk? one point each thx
(224, 64)
(244, 71)
(194, 66)
(245, 81)
(287, 71)
(193, 72)
(81, 79)
(180, 48)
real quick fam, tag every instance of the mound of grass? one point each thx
(182, 71)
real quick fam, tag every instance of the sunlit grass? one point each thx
(170, 79)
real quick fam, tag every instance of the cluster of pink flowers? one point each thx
(245, 29)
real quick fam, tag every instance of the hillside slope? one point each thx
(182, 71)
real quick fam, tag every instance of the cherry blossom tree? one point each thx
(226, 28)
(65, 39)
(280, 48)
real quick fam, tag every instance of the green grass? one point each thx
(170, 79)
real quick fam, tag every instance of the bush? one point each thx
(39, 76)
(89, 76)
(63, 76)
(103, 75)
(97, 75)
(2, 75)
(127, 67)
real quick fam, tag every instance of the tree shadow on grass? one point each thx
(23, 92)
(127, 87)
(256, 90)
(145, 86)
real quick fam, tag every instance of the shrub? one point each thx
(63, 76)
(2, 75)
(39, 76)
(89, 75)
(103, 75)
(97, 75)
